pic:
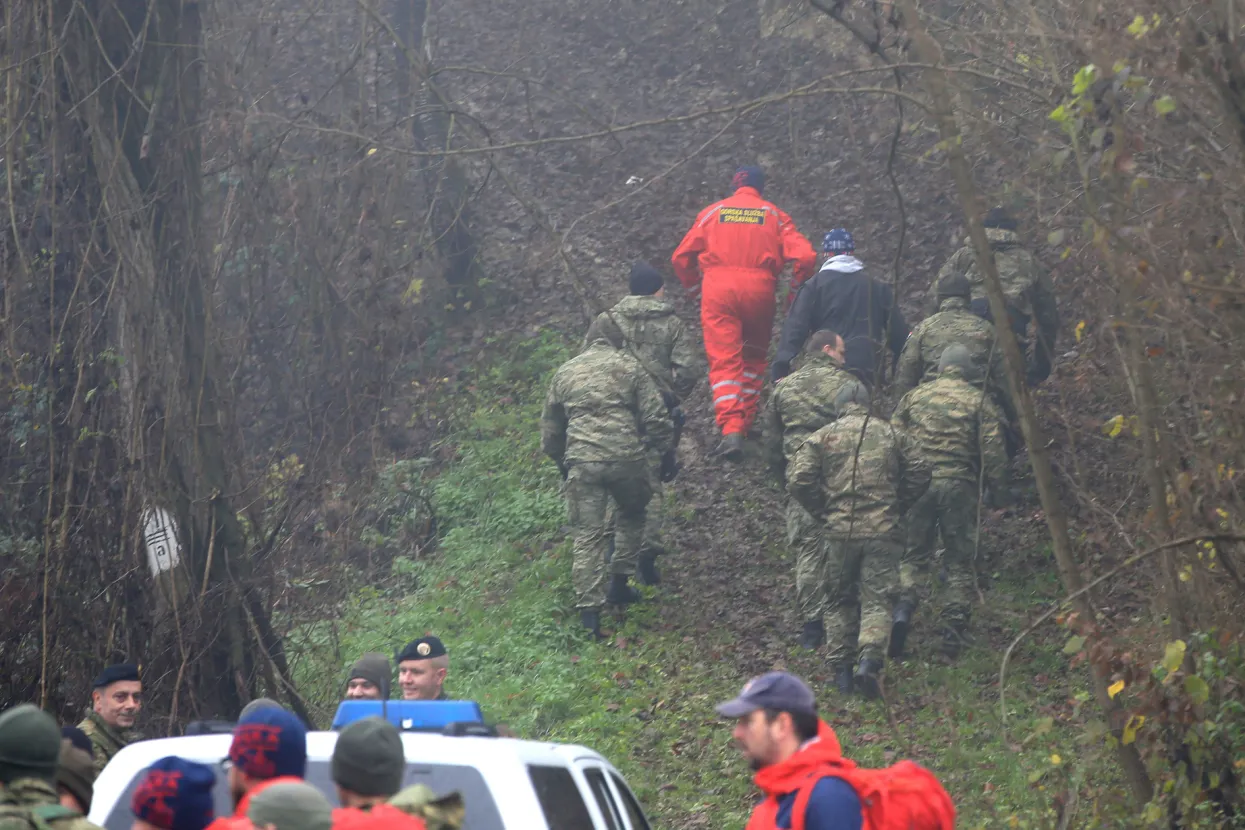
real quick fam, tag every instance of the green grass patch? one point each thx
(497, 590)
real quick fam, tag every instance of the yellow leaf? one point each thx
(1135, 723)
(1056, 760)
(372, 152)
(1080, 331)
(1173, 655)
(1114, 426)
(1115, 688)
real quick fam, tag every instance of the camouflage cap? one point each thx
(956, 356)
(954, 285)
(852, 393)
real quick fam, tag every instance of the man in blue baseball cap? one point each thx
(792, 751)
(842, 297)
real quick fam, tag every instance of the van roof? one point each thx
(418, 746)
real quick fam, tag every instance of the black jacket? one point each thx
(862, 310)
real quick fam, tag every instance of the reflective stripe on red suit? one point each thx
(732, 256)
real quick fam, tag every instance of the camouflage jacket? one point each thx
(859, 476)
(955, 429)
(33, 804)
(802, 403)
(1026, 284)
(659, 338)
(106, 739)
(446, 812)
(603, 406)
(954, 323)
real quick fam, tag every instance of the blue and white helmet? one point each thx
(838, 241)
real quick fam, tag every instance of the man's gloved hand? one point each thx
(676, 415)
(669, 466)
(780, 370)
(563, 469)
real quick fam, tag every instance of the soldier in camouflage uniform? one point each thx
(30, 746)
(654, 335)
(957, 430)
(1026, 284)
(116, 700)
(602, 417)
(802, 403)
(859, 476)
(954, 323)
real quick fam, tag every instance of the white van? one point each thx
(507, 784)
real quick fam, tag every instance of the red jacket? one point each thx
(743, 232)
(380, 817)
(821, 756)
(239, 821)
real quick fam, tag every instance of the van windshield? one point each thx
(442, 779)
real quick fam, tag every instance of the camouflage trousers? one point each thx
(589, 487)
(948, 508)
(863, 586)
(654, 516)
(806, 540)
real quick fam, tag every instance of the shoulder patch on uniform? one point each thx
(741, 216)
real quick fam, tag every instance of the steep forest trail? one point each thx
(496, 588)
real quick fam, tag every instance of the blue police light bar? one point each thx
(410, 715)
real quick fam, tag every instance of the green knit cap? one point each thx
(30, 744)
(368, 758)
(292, 805)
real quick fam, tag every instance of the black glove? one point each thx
(563, 469)
(780, 369)
(669, 466)
(676, 415)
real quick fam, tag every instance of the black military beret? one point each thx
(115, 674)
(79, 739)
(425, 648)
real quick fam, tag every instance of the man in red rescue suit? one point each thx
(731, 258)
(808, 784)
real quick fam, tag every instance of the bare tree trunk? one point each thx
(929, 52)
(143, 130)
(432, 127)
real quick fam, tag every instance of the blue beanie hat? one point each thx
(838, 241)
(175, 795)
(749, 176)
(270, 743)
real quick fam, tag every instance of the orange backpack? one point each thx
(905, 796)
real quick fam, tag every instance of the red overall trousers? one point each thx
(736, 249)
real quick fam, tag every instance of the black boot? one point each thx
(901, 622)
(646, 569)
(732, 447)
(813, 635)
(590, 618)
(866, 678)
(620, 593)
(843, 679)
